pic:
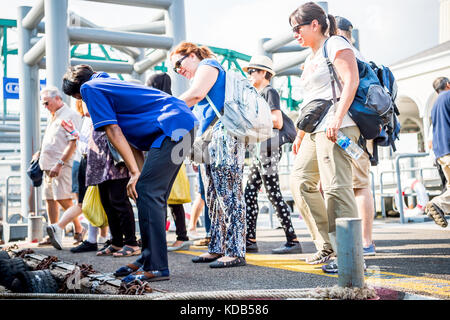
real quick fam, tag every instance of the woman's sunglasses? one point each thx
(178, 64)
(296, 29)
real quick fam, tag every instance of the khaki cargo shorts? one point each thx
(60, 187)
(361, 170)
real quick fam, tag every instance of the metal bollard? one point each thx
(35, 229)
(350, 252)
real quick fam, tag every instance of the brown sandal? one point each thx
(127, 251)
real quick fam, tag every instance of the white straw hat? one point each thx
(260, 63)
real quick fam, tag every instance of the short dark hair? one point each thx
(440, 84)
(75, 77)
(268, 75)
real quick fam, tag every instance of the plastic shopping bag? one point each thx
(180, 192)
(93, 209)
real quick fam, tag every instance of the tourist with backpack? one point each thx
(264, 166)
(361, 166)
(318, 157)
(223, 165)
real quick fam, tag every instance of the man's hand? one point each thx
(55, 171)
(131, 186)
(333, 128)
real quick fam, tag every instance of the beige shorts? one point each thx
(361, 172)
(60, 187)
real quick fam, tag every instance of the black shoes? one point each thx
(251, 246)
(85, 246)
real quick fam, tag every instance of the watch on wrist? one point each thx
(61, 162)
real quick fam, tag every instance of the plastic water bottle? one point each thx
(349, 146)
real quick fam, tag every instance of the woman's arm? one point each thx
(204, 79)
(346, 67)
(119, 142)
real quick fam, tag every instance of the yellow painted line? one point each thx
(373, 276)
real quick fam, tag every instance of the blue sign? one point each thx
(11, 87)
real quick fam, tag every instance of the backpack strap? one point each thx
(333, 74)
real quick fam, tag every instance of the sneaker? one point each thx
(321, 256)
(288, 247)
(332, 267)
(194, 235)
(370, 250)
(79, 236)
(251, 246)
(435, 213)
(148, 276)
(85, 246)
(55, 234)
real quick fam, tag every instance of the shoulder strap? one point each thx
(211, 103)
(333, 75)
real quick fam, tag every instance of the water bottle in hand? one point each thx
(349, 146)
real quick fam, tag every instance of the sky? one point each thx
(389, 30)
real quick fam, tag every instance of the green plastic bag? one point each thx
(93, 209)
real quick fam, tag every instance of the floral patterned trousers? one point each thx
(224, 193)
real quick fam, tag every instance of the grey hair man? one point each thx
(56, 156)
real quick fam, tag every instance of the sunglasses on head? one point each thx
(178, 64)
(296, 29)
(250, 71)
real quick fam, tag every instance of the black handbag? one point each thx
(312, 114)
(284, 135)
(35, 173)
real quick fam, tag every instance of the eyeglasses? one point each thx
(178, 64)
(296, 29)
(250, 71)
(45, 103)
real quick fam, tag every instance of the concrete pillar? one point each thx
(57, 42)
(29, 110)
(350, 252)
(444, 21)
(176, 28)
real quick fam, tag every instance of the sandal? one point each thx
(127, 251)
(108, 251)
(238, 262)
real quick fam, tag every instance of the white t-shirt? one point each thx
(316, 82)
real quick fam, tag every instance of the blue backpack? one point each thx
(391, 130)
(373, 108)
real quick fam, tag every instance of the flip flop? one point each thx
(108, 251)
(127, 251)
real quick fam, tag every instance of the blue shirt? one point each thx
(146, 115)
(203, 110)
(440, 117)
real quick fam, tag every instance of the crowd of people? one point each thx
(154, 131)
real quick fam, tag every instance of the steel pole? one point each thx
(57, 42)
(350, 252)
(29, 109)
(176, 28)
